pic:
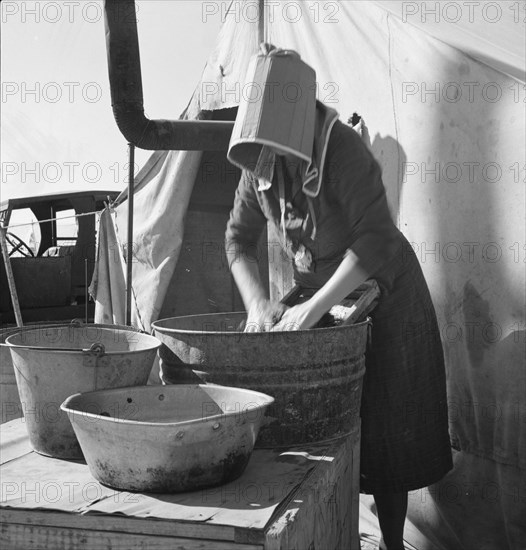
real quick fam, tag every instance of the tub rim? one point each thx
(64, 406)
(155, 327)
(155, 343)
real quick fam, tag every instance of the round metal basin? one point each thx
(167, 438)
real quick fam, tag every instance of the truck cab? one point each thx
(51, 241)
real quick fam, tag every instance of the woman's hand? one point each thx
(263, 315)
(299, 317)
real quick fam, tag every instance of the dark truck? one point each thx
(51, 272)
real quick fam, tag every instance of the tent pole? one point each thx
(261, 22)
(129, 245)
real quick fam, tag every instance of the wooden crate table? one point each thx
(303, 498)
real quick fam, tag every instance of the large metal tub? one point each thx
(315, 375)
(52, 363)
(167, 438)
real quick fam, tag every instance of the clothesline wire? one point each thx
(50, 220)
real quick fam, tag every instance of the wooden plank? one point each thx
(10, 277)
(280, 272)
(323, 512)
(39, 483)
(314, 500)
(363, 305)
(28, 537)
(123, 524)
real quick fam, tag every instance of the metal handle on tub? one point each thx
(96, 349)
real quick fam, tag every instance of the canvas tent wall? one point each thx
(448, 126)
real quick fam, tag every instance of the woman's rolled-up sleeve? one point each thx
(357, 180)
(246, 221)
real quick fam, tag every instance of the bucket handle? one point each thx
(96, 349)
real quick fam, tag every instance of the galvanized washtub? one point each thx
(167, 438)
(315, 375)
(52, 363)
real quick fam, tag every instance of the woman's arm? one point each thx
(263, 314)
(248, 281)
(353, 178)
(241, 241)
(344, 280)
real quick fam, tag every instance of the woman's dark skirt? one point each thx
(405, 442)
